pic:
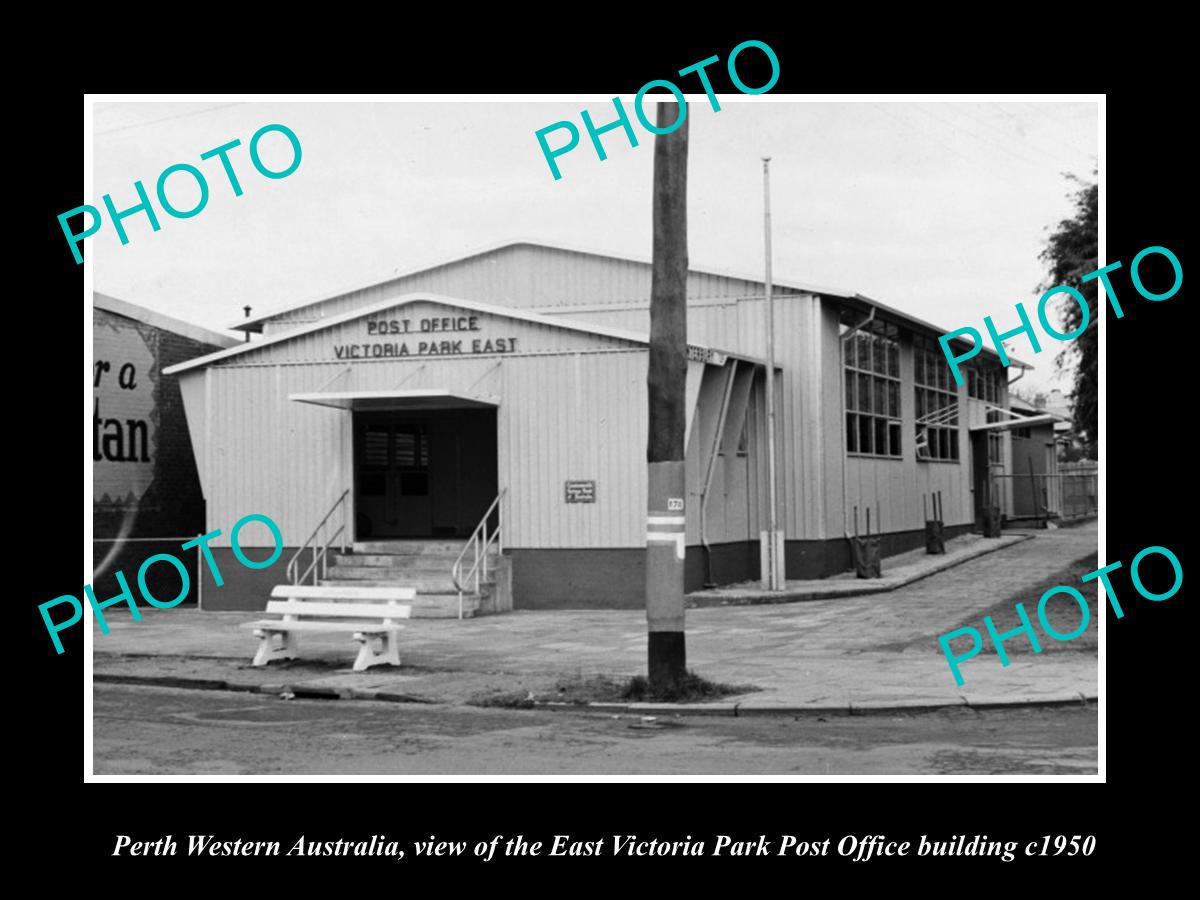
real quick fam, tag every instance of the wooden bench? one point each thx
(311, 608)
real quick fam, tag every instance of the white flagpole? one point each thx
(774, 548)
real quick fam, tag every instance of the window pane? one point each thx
(894, 438)
(851, 391)
(894, 399)
(881, 436)
(864, 393)
(949, 403)
(851, 433)
(881, 398)
(954, 444)
(921, 407)
(944, 442)
(375, 447)
(880, 356)
(894, 359)
(864, 351)
(406, 449)
(864, 434)
(919, 367)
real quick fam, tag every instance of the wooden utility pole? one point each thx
(667, 384)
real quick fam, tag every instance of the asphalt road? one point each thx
(160, 731)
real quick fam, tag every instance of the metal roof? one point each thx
(158, 320)
(852, 299)
(714, 355)
(255, 322)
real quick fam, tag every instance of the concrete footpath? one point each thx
(850, 654)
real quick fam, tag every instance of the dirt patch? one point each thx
(583, 689)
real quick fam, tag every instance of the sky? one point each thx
(939, 209)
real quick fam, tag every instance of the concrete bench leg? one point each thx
(388, 651)
(268, 651)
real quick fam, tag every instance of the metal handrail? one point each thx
(481, 543)
(293, 566)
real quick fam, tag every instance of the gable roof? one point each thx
(255, 323)
(853, 300)
(507, 312)
(158, 320)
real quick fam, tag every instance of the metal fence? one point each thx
(1065, 495)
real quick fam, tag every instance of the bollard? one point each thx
(865, 551)
(935, 541)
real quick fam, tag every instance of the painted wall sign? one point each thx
(123, 419)
(581, 491)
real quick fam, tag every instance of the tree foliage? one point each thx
(1071, 252)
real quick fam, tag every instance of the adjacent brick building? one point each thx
(145, 491)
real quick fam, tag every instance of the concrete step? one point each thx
(402, 564)
(389, 573)
(410, 548)
(395, 559)
(434, 586)
(444, 606)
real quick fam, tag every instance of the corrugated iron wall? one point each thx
(574, 417)
(561, 416)
(739, 325)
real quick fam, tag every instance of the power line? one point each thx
(1023, 143)
(982, 140)
(1036, 108)
(194, 112)
(925, 134)
(1090, 155)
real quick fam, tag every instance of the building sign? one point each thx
(704, 355)
(430, 336)
(123, 419)
(581, 492)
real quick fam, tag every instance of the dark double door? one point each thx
(423, 475)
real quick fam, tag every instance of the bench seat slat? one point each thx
(340, 610)
(323, 592)
(365, 627)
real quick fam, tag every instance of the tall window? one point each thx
(937, 403)
(984, 381)
(872, 368)
(995, 440)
